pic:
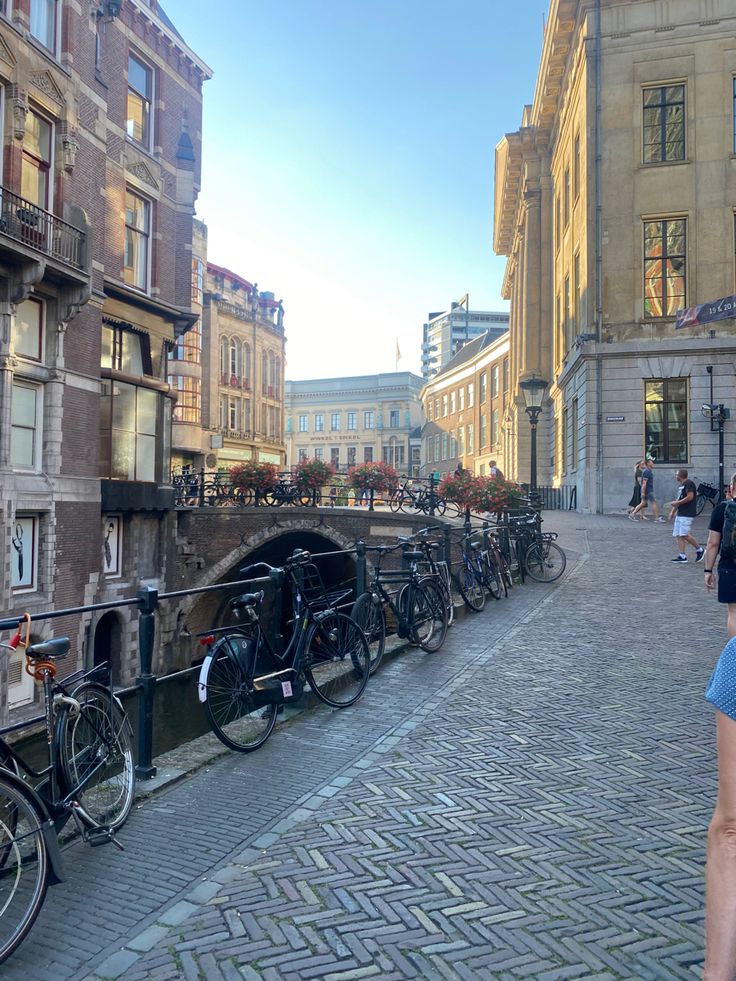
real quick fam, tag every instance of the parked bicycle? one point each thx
(408, 498)
(286, 493)
(416, 602)
(247, 674)
(89, 778)
(470, 576)
(538, 554)
(706, 494)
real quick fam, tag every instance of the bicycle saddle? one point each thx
(57, 647)
(247, 599)
(414, 556)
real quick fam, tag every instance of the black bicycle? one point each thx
(286, 493)
(89, 777)
(406, 498)
(416, 602)
(539, 555)
(247, 674)
(706, 494)
(470, 576)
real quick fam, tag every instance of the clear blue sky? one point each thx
(348, 160)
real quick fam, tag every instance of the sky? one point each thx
(348, 160)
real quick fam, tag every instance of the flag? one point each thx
(398, 352)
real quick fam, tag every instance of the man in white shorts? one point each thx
(683, 511)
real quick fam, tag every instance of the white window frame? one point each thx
(35, 466)
(54, 49)
(145, 144)
(149, 240)
(41, 330)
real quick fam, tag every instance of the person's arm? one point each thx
(711, 553)
(644, 482)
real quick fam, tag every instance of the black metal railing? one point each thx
(39, 229)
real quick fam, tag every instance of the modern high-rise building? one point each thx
(445, 333)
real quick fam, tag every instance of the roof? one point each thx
(472, 349)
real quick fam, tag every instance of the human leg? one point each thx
(731, 620)
(720, 904)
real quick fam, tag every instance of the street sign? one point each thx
(615, 418)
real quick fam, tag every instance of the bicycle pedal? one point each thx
(102, 836)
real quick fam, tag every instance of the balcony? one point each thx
(34, 228)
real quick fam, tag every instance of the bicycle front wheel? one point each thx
(369, 616)
(24, 875)
(491, 578)
(228, 698)
(470, 586)
(545, 561)
(427, 615)
(96, 756)
(337, 662)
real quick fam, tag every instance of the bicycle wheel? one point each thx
(227, 695)
(96, 756)
(491, 578)
(272, 498)
(24, 874)
(545, 561)
(520, 553)
(470, 586)
(337, 662)
(440, 505)
(504, 573)
(368, 614)
(427, 614)
(394, 502)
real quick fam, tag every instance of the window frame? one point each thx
(663, 258)
(149, 101)
(663, 107)
(37, 428)
(663, 448)
(41, 329)
(41, 165)
(55, 26)
(23, 521)
(146, 234)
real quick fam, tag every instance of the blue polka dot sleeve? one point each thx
(721, 690)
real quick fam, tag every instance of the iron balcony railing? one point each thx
(39, 229)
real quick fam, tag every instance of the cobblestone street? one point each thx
(530, 802)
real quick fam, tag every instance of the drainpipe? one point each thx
(598, 268)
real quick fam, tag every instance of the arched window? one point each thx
(264, 374)
(224, 351)
(246, 366)
(277, 377)
(234, 363)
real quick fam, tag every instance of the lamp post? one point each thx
(533, 390)
(717, 412)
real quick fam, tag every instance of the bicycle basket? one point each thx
(707, 490)
(312, 587)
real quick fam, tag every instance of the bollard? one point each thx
(360, 570)
(146, 681)
(432, 495)
(467, 526)
(373, 494)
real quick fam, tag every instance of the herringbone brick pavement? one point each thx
(541, 815)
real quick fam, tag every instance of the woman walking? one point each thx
(636, 494)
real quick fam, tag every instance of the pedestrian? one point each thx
(683, 512)
(460, 470)
(720, 869)
(636, 493)
(333, 495)
(495, 471)
(647, 492)
(720, 545)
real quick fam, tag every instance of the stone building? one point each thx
(363, 419)
(615, 203)
(101, 131)
(464, 407)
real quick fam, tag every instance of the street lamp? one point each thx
(533, 390)
(717, 412)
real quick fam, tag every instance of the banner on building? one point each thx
(705, 313)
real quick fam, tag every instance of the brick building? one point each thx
(101, 133)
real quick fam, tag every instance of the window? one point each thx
(444, 405)
(352, 450)
(452, 403)
(566, 198)
(352, 420)
(140, 94)
(35, 182)
(24, 560)
(28, 330)
(134, 422)
(470, 395)
(444, 445)
(427, 409)
(664, 267)
(665, 419)
(566, 311)
(335, 422)
(43, 22)
(494, 381)
(734, 117)
(125, 351)
(482, 383)
(367, 454)
(188, 391)
(393, 419)
(574, 435)
(494, 427)
(303, 427)
(429, 449)
(483, 434)
(25, 431)
(437, 456)
(436, 408)
(335, 456)
(470, 446)
(557, 221)
(137, 236)
(461, 441)
(369, 419)
(453, 445)
(565, 444)
(197, 280)
(303, 455)
(664, 124)
(319, 422)
(188, 346)
(461, 399)
(576, 167)
(319, 453)
(576, 325)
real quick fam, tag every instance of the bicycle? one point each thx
(470, 576)
(417, 603)
(89, 777)
(285, 493)
(436, 569)
(246, 674)
(420, 500)
(540, 557)
(706, 494)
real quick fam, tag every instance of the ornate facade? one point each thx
(615, 204)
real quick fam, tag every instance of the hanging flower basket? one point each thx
(312, 475)
(493, 494)
(460, 488)
(255, 476)
(372, 476)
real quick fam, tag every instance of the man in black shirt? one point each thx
(683, 511)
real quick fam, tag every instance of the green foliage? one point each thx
(254, 475)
